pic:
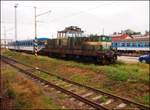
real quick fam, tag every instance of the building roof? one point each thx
(136, 39)
(120, 37)
(126, 37)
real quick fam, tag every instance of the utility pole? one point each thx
(35, 39)
(35, 24)
(16, 5)
(4, 36)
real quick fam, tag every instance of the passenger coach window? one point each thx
(128, 44)
(133, 44)
(147, 44)
(139, 44)
(116, 44)
(122, 44)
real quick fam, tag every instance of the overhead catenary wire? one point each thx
(21, 5)
(62, 17)
(80, 12)
(70, 15)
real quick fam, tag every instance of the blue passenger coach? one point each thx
(27, 45)
(132, 45)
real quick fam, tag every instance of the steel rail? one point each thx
(142, 106)
(78, 97)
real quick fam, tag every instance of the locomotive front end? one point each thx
(106, 55)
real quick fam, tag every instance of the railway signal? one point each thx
(35, 46)
(35, 23)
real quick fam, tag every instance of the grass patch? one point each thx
(127, 72)
(120, 71)
(80, 78)
(103, 99)
(24, 93)
(45, 76)
(49, 104)
(146, 98)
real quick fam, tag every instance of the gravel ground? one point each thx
(128, 59)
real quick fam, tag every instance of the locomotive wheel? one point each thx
(102, 61)
(106, 61)
(98, 60)
(112, 60)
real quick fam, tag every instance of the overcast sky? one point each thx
(91, 16)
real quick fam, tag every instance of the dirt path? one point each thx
(128, 59)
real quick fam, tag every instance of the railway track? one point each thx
(90, 96)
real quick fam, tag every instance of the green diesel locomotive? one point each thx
(72, 43)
